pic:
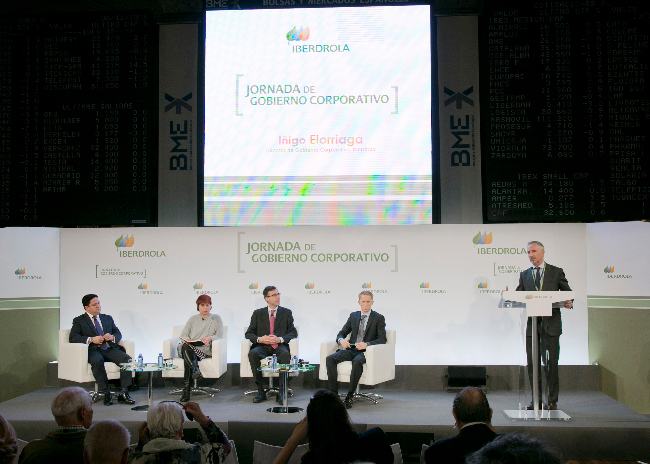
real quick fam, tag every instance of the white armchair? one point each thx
(211, 368)
(379, 366)
(74, 366)
(245, 366)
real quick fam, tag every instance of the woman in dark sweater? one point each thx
(332, 439)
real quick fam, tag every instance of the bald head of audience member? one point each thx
(73, 406)
(107, 442)
(470, 406)
(515, 449)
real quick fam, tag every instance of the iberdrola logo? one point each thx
(482, 285)
(298, 35)
(484, 239)
(424, 285)
(309, 286)
(198, 286)
(609, 270)
(142, 287)
(20, 271)
(124, 241)
(367, 285)
(253, 286)
(529, 297)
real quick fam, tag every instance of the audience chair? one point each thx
(232, 457)
(424, 448)
(397, 453)
(74, 366)
(245, 366)
(379, 366)
(265, 454)
(211, 368)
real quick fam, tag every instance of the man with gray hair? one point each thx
(107, 442)
(515, 449)
(73, 412)
(160, 437)
(473, 417)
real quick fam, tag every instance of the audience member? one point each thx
(8, 446)
(160, 437)
(332, 439)
(73, 412)
(107, 442)
(472, 414)
(515, 449)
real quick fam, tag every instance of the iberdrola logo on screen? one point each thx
(298, 35)
(302, 35)
(127, 242)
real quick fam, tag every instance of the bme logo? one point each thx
(457, 128)
(178, 132)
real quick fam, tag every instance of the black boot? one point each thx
(191, 362)
(187, 386)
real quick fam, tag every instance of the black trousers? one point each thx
(260, 352)
(549, 355)
(97, 358)
(358, 359)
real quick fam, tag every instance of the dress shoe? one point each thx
(552, 407)
(531, 407)
(348, 400)
(124, 397)
(185, 396)
(108, 400)
(279, 398)
(261, 396)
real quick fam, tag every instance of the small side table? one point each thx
(149, 368)
(283, 371)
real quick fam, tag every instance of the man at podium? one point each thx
(544, 277)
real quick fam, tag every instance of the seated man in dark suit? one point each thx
(367, 327)
(271, 329)
(102, 336)
(473, 417)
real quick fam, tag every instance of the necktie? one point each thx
(537, 276)
(362, 329)
(100, 332)
(272, 321)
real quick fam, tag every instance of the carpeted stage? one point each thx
(600, 428)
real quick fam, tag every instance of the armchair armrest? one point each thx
(380, 363)
(129, 346)
(326, 348)
(219, 359)
(293, 347)
(73, 361)
(170, 348)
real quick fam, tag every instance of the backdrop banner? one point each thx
(437, 285)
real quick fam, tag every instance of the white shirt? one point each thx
(92, 321)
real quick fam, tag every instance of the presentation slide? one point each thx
(318, 116)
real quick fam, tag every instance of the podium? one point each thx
(535, 304)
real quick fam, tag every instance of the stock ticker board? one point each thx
(79, 114)
(565, 110)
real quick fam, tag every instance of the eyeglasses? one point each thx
(273, 296)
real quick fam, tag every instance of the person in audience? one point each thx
(72, 409)
(204, 327)
(332, 438)
(365, 327)
(102, 336)
(8, 444)
(160, 437)
(107, 442)
(515, 449)
(473, 416)
(270, 331)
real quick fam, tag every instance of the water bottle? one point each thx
(294, 364)
(274, 365)
(160, 361)
(140, 361)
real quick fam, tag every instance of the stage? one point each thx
(600, 428)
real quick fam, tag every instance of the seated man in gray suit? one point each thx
(473, 417)
(367, 327)
(270, 331)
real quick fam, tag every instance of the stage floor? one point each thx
(600, 428)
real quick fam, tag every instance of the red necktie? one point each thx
(272, 320)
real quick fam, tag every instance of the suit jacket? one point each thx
(453, 450)
(58, 447)
(554, 280)
(83, 327)
(375, 328)
(260, 325)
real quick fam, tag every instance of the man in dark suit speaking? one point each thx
(270, 331)
(548, 278)
(473, 417)
(366, 327)
(102, 336)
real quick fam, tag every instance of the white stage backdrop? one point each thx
(29, 265)
(438, 286)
